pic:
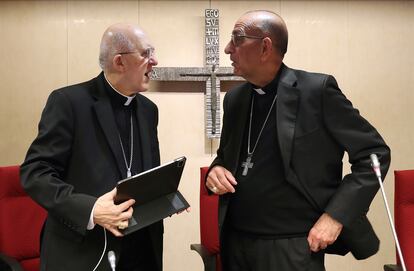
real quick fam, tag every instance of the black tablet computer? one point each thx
(155, 192)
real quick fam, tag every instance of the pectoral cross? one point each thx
(246, 165)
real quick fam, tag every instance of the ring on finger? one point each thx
(214, 189)
(122, 225)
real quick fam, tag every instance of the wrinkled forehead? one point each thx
(246, 25)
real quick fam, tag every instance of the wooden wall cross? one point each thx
(212, 74)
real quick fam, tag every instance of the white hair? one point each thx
(113, 42)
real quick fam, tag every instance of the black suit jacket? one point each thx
(316, 125)
(76, 158)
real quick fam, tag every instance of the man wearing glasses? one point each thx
(91, 135)
(278, 171)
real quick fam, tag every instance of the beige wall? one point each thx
(367, 45)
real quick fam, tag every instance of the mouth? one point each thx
(149, 74)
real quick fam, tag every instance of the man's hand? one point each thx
(220, 181)
(110, 216)
(324, 232)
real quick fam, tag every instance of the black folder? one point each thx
(155, 192)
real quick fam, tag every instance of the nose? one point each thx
(153, 60)
(229, 47)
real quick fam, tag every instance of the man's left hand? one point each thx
(325, 231)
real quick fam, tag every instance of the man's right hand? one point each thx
(220, 181)
(111, 216)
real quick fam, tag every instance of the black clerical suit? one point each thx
(76, 158)
(315, 124)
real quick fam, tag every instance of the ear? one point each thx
(118, 63)
(267, 48)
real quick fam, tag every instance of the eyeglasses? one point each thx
(237, 40)
(147, 54)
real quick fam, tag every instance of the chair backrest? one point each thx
(208, 216)
(209, 234)
(404, 214)
(21, 220)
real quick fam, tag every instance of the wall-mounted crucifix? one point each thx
(212, 74)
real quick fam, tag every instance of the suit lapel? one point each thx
(287, 110)
(144, 132)
(105, 116)
(287, 106)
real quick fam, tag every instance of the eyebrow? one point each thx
(147, 47)
(238, 31)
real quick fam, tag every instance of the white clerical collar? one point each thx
(129, 98)
(259, 91)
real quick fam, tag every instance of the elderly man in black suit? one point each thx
(283, 200)
(91, 135)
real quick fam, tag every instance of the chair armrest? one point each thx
(9, 264)
(209, 259)
(392, 267)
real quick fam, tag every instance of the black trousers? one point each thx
(137, 253)
(240, 252)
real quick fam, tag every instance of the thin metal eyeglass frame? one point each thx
(244, 36)
(149, 53)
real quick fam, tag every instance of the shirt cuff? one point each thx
(91, 224)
